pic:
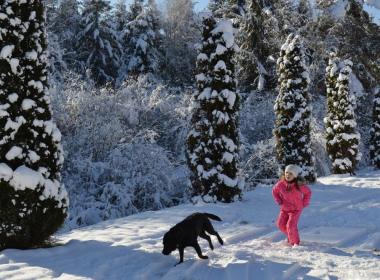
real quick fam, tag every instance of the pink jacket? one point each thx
(289, 197)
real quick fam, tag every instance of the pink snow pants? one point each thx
(287, 222)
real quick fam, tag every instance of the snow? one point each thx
(6, 51)
(14, 62)
(28, 104)
(13, 97)
(339, 232)
(32, 55)
(26, 178)
(37, 85)
(225, 27)
(221, 65)
(13, 153)
(5, 172)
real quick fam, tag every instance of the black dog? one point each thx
(186, 234)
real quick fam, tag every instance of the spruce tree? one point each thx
(33, 203)
(120, 16)
(292, 108)
(254, 49)
(181, 35)
(145, 41)
(97, 44)
(375, 131)
(65, 28)
(341, 133)
(212, 146)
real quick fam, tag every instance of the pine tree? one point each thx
(33, 203)
(341, 135)
(146, 41)
(97, 44)
(292, 109)
(375, 131)
(212, 146)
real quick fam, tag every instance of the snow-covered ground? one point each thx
(339, 232)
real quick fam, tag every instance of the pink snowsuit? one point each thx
(292, 201)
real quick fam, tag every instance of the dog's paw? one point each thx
(204, 257)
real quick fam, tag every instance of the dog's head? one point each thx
(170, 241)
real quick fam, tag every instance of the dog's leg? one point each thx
(207, 237)
(181, 250)
(210, 229)
(199, 252)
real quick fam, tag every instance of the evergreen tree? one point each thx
(292, 109)
(181, 34)
(126, 35)
(254, 49)
(146, 41)
(65, 29)
(341, 135)
(33, 203)
(231, 9)
(97, 44)
(120, 16)
(375, 131)
(212, 147)
(348, 33)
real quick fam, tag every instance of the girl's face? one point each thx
(289, 176)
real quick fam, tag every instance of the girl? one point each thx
(293, 196)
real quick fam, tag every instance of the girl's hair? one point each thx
(296, 180)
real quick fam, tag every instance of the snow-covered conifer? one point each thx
(120, 16)
(253, 52)
(212, 146)
(33, 203)
(97, 44)
(145, 41)
(292, 108)
(64, 29)
(181, 34)
(342, 138)
(375, 131)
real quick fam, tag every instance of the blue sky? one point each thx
(201, 4)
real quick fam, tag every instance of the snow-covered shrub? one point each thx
(134, 177)
(293, 111)
(261, 165)
(125, 148)
(257, 116)
(213, 139)
(33, 203)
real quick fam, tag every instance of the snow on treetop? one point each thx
(225, 27)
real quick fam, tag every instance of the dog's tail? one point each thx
(213, 217)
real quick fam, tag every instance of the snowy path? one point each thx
(339, 232)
